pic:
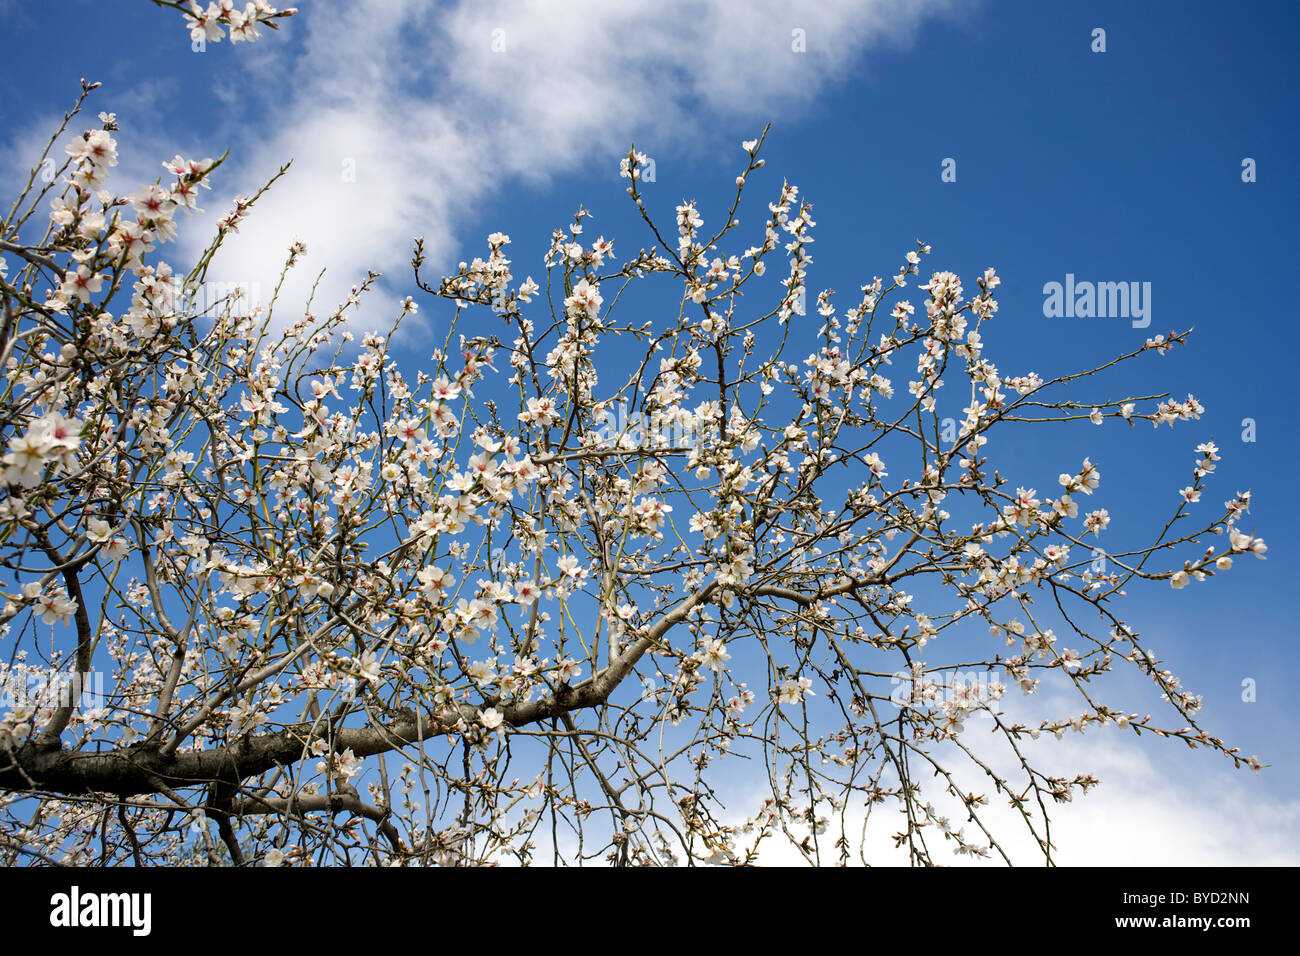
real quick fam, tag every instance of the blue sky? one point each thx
(1117, 166)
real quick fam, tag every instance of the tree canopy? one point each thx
(602, 579)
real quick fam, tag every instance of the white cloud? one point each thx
(413, 99)
(1198, 811)
(1142, 816)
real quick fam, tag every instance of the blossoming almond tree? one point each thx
(568, 590)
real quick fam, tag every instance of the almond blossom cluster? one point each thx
(225, 17)
(52, 439)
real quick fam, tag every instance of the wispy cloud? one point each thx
(403, 115)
